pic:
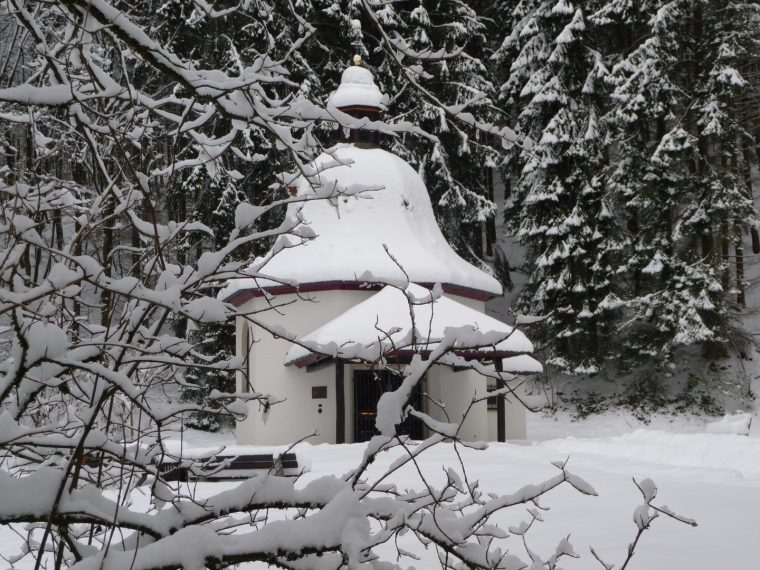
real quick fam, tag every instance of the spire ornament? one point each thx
(358, 42)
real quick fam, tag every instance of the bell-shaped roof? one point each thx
(357, 89)
(367, 235)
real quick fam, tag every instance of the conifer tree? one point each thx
(445, 42)
(206, 189)
(678, 176)
(724, 210)
(215, 198)
(555, 84)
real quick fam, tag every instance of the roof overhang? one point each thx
(515, 363)
(242, 296)
(400, 323)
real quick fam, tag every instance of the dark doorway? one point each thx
(369, 385)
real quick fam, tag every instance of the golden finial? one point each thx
(356, 28)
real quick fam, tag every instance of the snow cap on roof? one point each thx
(371, 215)
(383, 323)
(357, 89)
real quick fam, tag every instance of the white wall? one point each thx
(515, 415)
(515, 418)
(299, 415)
(456, 390)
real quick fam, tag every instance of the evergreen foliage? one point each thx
(635, 196)
(632, 190)
(210, 191)
(444, 40)
(679, 178)
(556, 86)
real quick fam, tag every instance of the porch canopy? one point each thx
(397, 323)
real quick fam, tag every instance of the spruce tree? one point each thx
(206, 189)
(445, 42)
(724, 210)
(677, 177)
(555, 85)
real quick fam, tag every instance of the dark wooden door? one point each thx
(369, 385)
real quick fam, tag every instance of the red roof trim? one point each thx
(245, 295)
(372, 108)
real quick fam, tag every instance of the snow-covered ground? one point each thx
(713, 478)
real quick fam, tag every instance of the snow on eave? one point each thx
(382, 325)
(521, 364)
(358, 89)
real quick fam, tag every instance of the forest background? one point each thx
(626, 213)
(600, 156)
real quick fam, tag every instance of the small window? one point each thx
(493, 401)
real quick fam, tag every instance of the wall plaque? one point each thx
(318, 392)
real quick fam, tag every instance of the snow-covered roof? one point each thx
(352, 230)
(383, 324)
(357, 89)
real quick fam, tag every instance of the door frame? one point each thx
(350, 399)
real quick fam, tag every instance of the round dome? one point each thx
(357, 89)
(387, 206)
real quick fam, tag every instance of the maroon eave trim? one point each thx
(245, 295)
(361, 111)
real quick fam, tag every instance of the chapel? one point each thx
(366, 274)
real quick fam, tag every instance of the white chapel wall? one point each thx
(300, 414)
(515, 418)
(457, 389)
